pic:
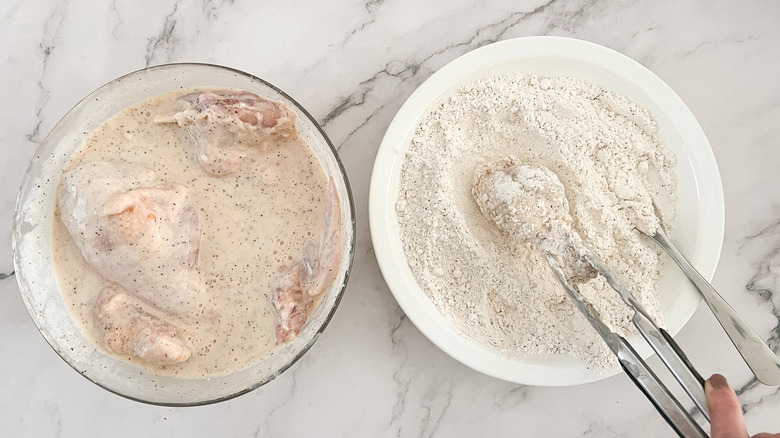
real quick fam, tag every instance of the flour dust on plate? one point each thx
(616, 175)
(195, 232)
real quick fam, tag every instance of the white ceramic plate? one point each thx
(698, 231)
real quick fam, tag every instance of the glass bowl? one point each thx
(33, 228)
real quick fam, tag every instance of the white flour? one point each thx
(615, 171)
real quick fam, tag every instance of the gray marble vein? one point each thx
(160, 47)
(52, 26)
(765, 282)
(372, 7)
(267, 428)
(117, 19)
(406, 70)
(435, 407)
(401, 377)
(765, 232)
(512, 399)
(353, 63)
(213, 8)
(600, 430)
(715, 45)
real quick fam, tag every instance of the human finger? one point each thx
(725, 410)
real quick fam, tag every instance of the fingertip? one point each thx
(718, 391)
(725, 409)
(717, 381)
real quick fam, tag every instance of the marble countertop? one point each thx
(352, 64)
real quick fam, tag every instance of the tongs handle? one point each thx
(761, 360)
(662, 343)
(675, 360)
(653, 388)
(658, 394)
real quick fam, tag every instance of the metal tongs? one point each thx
(761, 360)
(636, 368)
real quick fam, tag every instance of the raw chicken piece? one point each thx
(131, 326)
(227, 127)
(137, 232)
(321, 262)
(529, 204)
(296, 286)
(291, 303)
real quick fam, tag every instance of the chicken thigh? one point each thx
(227, 127)
(136, 231)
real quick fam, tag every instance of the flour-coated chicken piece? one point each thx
(529, 204)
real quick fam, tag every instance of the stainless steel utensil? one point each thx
(644, 378)
(659, 339)
(757, 355)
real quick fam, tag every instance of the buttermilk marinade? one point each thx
(253, 223)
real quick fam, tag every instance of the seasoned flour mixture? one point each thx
(616, 173)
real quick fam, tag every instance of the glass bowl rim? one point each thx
(29, 177)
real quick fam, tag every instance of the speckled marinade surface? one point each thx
(251, 223)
